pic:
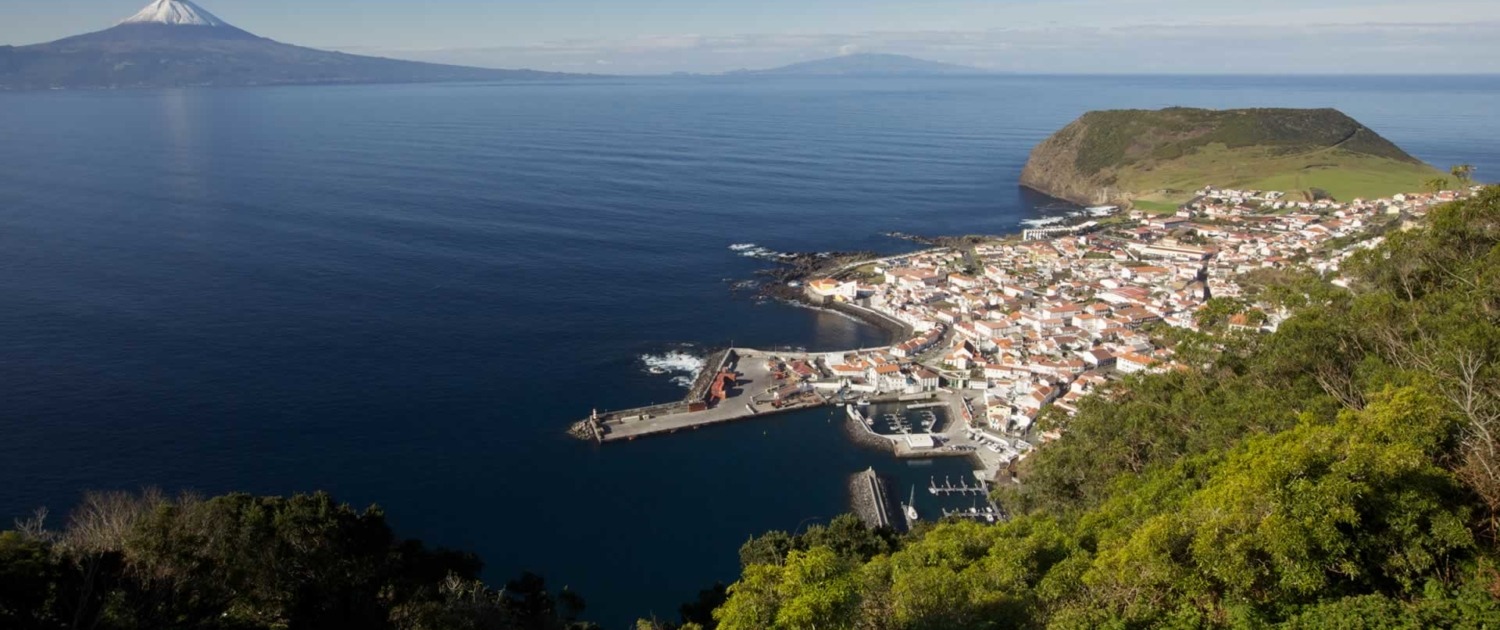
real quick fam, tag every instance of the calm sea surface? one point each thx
(404, 294)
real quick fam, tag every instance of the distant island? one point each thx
(866, 65)
(1161, 156)
(176, 43)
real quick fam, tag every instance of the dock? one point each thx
(735, 384)
(961, 488)
(987, 514)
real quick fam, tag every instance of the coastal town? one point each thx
(1000, 332)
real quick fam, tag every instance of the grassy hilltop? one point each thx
(1164, 155)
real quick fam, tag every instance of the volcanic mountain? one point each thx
(867, 65)
(176, 43)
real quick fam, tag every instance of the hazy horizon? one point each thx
(667, 36)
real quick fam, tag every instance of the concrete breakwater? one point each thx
(712, 365)
(732, 400)
(594, 427)
(871, 501)
(860, 434)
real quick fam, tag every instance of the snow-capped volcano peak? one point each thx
(176, 13)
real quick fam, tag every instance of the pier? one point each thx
(961, 488)
(987, 514)
(735, 384)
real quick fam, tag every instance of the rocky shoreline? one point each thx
(795, 267)
(861, 436)
(966, 240)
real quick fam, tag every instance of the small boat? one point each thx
(910, 508)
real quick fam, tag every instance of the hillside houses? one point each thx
(1025, 324)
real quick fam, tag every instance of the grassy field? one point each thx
(1340, 173)
(1156, 206)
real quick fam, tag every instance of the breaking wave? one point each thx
(751, 250)
(1036, 223)
(681, 366)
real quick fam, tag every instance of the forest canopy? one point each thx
(240, 562)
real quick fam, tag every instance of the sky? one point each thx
(708, 36)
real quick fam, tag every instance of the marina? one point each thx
(741, 383)
(909, 423)
(950, 488)
(988, 513)
(913, 419)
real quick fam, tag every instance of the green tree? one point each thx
(813, 590)
(1463, 173)
(768, 548)
(250, 563)
(29, 578)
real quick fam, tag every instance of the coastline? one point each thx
(895, 330)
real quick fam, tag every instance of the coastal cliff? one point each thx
(1121, 156)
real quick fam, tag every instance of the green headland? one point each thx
(1157, 157)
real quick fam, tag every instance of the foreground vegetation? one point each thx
(239, 562)
(1343, 472)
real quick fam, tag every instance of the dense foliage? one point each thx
(1343, 472)
(243, 563)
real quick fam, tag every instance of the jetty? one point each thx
(735, 384)
(869, 498)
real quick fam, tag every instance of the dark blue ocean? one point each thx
(404, 294)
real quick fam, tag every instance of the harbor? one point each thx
(889, 409)
(919, 427)
(894, 499)
(735, 384)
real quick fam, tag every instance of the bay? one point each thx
(404, 294)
